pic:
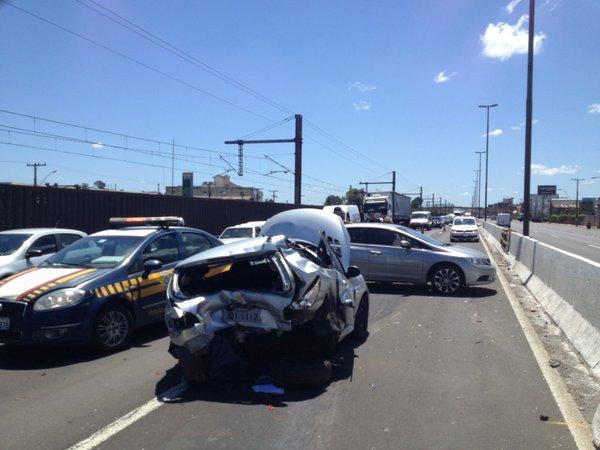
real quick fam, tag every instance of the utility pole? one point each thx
(393, 193)
(173, 165)
(297, 141)
(432, 201)
(479, 185)
(274, 196)
(577, 180)
(528, 122)
(35, 166)
(487, 155)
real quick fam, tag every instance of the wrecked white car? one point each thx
(290, 291)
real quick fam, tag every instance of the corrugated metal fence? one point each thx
(89, 210)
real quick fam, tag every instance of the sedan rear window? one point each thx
(260, 274)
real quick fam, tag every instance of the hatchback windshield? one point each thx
(236, 233)
(464, 221)
(95, 251)
(10, 243)
(420, 215)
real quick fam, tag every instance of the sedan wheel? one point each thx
(446, 280)
(113, 328)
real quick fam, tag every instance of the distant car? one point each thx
(464, 229)
(420, 220)
(437, 221)
(241, 231)
(27, 247)
(99, 288)
(393, 253)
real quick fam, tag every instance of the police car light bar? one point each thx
(160, 221)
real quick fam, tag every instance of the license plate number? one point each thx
(243, 315)
(4, 323)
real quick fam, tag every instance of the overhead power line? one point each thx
(189, 58)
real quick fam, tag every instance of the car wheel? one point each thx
(446, 280)
(361, 320)
(301, 373)
(113, 328)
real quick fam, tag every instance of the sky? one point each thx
(382, 86)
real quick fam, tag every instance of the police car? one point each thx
(100, 288)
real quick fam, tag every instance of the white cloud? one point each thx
(502, 40)
(496, 132)
(361, 105)
(362, 87)
(522, 124)
(97, 145)
(594, 108)
(512, 5)
(466, 193)
(442, 77)
(541, 169)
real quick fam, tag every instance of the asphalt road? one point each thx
(434, 373)
(578, 240)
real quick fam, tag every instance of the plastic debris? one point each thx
(554, 363)
(268, 389)
(543, 418)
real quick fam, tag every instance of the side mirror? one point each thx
(405, 244)
(352, 272)
(151, 264)
(33, 253)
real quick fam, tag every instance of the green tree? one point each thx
(355, 196)
(333, 200)
(100, 184)
(416, 203)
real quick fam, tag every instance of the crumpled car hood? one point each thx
(307, 224)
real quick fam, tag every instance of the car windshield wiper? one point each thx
(64, 264)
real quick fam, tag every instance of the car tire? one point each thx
(447, 279)
(361, 320)
(112, 329)
(301, 373)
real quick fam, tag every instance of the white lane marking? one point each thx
(578, 426)
(595, 246)
(128, 419)
(554, 236)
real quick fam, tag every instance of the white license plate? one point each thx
(4, 323)
(251, 315)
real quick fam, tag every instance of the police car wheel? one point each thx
(113, 328)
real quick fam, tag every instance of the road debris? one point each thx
(554, 363)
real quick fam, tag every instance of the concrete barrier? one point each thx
(565, 284)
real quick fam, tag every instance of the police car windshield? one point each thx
(10, 243)
(236, 233)
(96, 251)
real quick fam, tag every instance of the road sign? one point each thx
(547, 189)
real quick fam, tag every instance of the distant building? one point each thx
(540, 205)
(221, 187)
(563, 206)
(505, 206)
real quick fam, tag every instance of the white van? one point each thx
(503, 220)
(351, 212)
(241, 231)
(420, 220)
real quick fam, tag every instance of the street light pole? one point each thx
(479, 186)
(528, 122)
(487, 156)
(577, 180)
(44, 179)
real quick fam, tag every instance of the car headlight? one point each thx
(480, 261)
(61, 298)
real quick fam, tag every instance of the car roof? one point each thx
(248, 224)
(40, 230)
(143, 231)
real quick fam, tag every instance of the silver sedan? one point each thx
(392, 253)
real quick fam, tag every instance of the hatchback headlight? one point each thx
(480, 261)
(61, 298)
